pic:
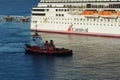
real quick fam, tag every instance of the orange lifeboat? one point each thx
(118, 13)
(108, 13)
(90, 13)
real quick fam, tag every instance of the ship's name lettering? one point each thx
(80, 29)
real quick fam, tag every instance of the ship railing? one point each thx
(82, 1)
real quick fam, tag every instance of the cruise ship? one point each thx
(82, 17)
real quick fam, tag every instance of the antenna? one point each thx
(36, 34)
(36, 27)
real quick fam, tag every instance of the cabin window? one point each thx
(56, 14)
(101, 20)
(47, 9)
(87, 19)
(77, 19)
(64, 9)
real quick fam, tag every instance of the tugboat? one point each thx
(37, 46)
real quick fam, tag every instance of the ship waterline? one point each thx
(78, 33)
(98, 19)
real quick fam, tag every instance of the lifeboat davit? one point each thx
(108, 13)
(36, 47)
(90, 13)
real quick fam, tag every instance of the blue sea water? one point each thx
(94, 58)
(17, 7)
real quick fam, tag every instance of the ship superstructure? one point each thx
(89, 17)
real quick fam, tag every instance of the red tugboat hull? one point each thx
(41, 51)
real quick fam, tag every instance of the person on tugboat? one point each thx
(49, 46)
(46, 44)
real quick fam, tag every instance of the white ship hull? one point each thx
(56, 20)
(88, 30)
